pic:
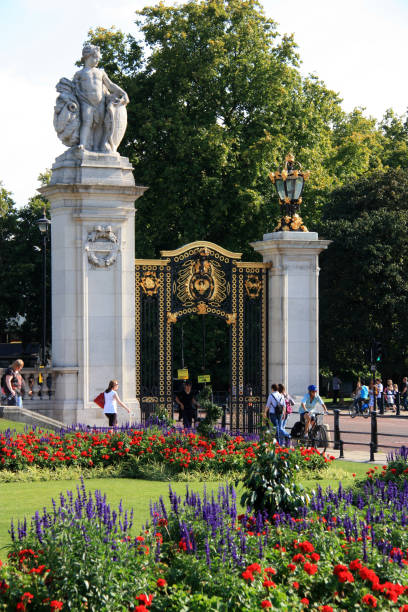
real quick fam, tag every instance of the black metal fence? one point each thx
(371, 437)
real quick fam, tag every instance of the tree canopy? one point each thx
(363, 278)
(217, 100)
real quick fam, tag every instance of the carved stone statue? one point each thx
(91, 110)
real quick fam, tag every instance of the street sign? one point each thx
(182, 374)
(203, 378)
(373, 368)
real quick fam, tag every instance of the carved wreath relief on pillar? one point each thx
(102, 246)
(90, 110)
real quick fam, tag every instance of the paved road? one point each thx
(390, 428)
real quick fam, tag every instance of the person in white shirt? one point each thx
(379, 395)
(111, 401)
(274, 409)
(309, 404)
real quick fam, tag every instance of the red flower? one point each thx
(266, 604)
(141, 608)
(270, 570)
(292, 567)
(247, 575)
(369, 600)
(269, 584)
(298, 558)
(27, 596)
(296, 585)
(326, 609)
(306, 547)
(315, 557)
(310, 568)
(254, 567)
(145, 599)
(304, 601)
(404, 608)
(161, 582)
(355, 565)
(56, 605)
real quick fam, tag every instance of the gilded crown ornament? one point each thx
(289, 182)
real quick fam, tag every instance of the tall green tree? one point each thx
(21, 272)
(217, 100)
(363, 279)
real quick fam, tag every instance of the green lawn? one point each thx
(5, 424)
(19, 499)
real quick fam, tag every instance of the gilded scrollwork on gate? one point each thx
(201, 278)
(150, 283)
(207, 280)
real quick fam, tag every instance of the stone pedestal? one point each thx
(293, 351)
(93, 295)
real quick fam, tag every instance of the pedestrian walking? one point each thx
(389, 396)
(404, 393)
(371, 396)
(274, 408)
(356, 395)
(397, 398)
(336, 384)
(289, 403)
(14, 384)
(111, 403)
(187, 402)
(379, 395)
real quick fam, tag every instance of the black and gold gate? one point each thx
(205, 279)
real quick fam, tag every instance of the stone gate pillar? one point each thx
(93, 295)
(293, 310)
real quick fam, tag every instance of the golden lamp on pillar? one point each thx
(289, 184)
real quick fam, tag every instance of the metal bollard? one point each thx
(374, 435)
(397, 402)
(341, 456)
(372, 451)
(380, 402)
(336, 444)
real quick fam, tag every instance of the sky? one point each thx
(359, 48)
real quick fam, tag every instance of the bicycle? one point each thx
(361, 406)
(316, 437)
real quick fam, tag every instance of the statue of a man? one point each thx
(91, 110)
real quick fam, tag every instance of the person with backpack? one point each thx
(289, 403)
(274, 409)
(13, 384)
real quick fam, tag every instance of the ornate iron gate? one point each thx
(205, 279)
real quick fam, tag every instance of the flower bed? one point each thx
(133, 449)
(346, 550)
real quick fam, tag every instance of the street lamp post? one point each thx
(289, 183)
(43, 225)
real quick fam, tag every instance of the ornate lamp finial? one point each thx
(289, 182)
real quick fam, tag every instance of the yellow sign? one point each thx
(40, 379)
(182, 374)
(202, 378)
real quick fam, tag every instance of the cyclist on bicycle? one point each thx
(309, 406)
(364, 395)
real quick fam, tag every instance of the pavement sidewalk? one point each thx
(360, 456)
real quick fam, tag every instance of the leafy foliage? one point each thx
(363, 273)
(269, 481)
(206, 426)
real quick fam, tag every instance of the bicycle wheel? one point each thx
(353, 411)
(365, 411)
(319, 439)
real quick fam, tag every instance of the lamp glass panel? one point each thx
(290, 186)
(298, 187)
(43, 225)
(280, 188)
